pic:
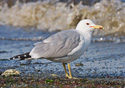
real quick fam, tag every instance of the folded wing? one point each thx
(57, 45)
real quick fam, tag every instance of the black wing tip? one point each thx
(12, 58)
(21, 57)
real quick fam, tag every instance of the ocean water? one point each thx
(105, 56)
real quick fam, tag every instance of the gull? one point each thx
(65, 46)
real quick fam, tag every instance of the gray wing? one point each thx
(57, 45)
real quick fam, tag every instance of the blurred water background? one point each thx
(25, 22)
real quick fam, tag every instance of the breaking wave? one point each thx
(59, 16)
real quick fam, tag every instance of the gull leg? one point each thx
(70, 74)
(65, 70)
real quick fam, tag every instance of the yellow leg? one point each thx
(65, 70)
(70, 75)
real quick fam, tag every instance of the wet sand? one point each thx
(101, 66)
(60, 82)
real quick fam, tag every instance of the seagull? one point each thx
(65, 46)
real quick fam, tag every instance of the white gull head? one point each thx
(87, 26)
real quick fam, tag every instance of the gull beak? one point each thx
(97, 27)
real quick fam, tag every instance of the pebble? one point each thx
(53, 75)
(78, 64)
(11, 72)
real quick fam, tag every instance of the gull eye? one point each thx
(87, 23)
